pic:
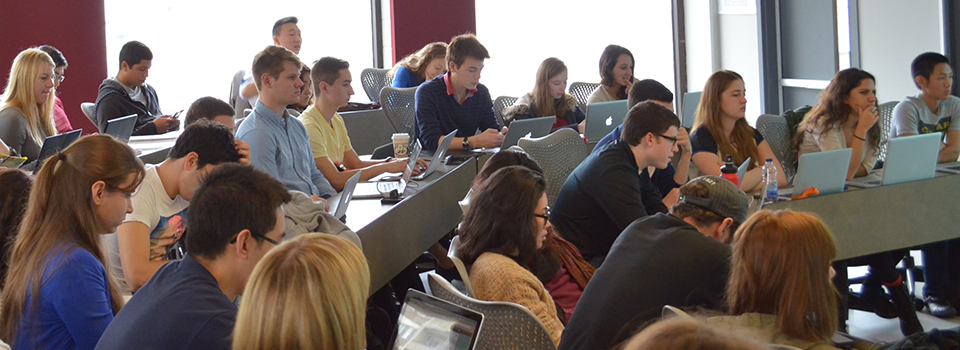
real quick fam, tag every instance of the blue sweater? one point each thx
(438, 113)
(404, 78)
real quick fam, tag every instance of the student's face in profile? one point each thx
(286, 88)
(306, 91)
(468, 74)
(940, 82)
(733, 100)
(226, 120)
(137, 74)
(112, 206)
(44, 83)
(539, 223)
(663, 148)
(863, 96)
(58, 73)
(556, 85)
(289, 37)
(341, 90)
(435, 68)
(623, 72)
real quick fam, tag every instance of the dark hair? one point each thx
(832, 107)
(133, 52)
(608, 60)
(502, 159)
(207, 108)
(644, 118)
(13, 204)
(56, 55)
(232, 198)
(700, 215)
(270, 61)
(463, 46)
(281, 22)
(648, 89)
(500, 217)
(213, 142)
(923, 65)
(326, 69)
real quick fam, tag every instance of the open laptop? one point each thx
(690, 102)
(385, 186)
(533, 127)
(121, 128)
(55, 143)
(909, 158)
(826, 171)
(340, 208)
(429, 323)
(438, 156)
(602, 118)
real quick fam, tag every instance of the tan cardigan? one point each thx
(497, 277)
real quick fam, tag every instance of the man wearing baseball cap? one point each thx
(679, 259)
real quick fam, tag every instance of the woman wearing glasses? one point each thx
(60, 65)
(501, 239)
(26, 113)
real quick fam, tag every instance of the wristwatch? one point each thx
(466, 143)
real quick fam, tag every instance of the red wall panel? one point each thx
(420, 22)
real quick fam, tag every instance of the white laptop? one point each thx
(690, 102)
(909, 158)
(533, 127)
(438, 156)
(603, 117)
(429, 323)
(340, 208)
(826, 171)
(385, 186)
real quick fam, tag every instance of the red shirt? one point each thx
(446, 80)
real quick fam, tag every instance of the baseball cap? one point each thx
(723, 198)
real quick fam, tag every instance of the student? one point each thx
(13, 204)
(279, 144)
(549, 99)
(678, 259)
(210, 108)
(329, 142)
(306, 91)
(60, 65)
(671, 178)
(191, 303)
(424, 65)
(128, 93)
(28, 100)
(845, 116)
(458, 101)
(780, 290)
(309, 293)
(616, 75)
(935, 110)
(151, 235)
(286, 34)
(689, 334)
(720, 129)
(58, 295)
(501, 239)
(604, 194)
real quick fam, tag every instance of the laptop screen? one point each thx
(430, 323)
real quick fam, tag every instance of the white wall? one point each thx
(699, 39)
(892, 33)
(739, 52)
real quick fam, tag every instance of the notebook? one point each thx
(438, 156)
(429, 323)
(826, 171)
(690, 102)
(121, 128)
(602, 118)
(533, 127)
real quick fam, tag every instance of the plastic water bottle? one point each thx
(770, 188)
(729, 171)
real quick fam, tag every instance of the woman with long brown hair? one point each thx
(13, 203)
(616, 75)
(549, 99)
(58, 295)
(426, 64)
(720, 129)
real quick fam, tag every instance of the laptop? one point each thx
(340, 208)
(121, 128)
(438, 156)
(690, 102)
(429, 323)
(56, 143)
(369, 190)
(602, 118)
(533, 127)
(826, 171)
(909, 158)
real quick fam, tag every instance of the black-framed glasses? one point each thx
(673, 140)
(545, 216)
(59, 77)
(265, 238)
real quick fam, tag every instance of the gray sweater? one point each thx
(13, 132)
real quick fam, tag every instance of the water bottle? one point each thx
(729, 171)
(770, 188)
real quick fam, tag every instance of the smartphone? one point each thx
(177, 115)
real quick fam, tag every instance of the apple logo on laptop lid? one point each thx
(609, 121)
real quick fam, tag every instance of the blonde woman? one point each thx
(426, 64)
(308, 293)
(26, 115)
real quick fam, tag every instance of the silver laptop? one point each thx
(121, 128)
(909, 158)
(603, 117)
(384, 186)
(429, 323)
(826, 171)
(690, 102)
(533, 127)
(438, 156)
(340, 209)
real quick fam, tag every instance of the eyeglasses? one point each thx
(545, 216)
(673, 140)
(59, 77)
(265, 238)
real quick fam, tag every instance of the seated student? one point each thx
(672, 177)
(60, 65)
(935, 110)
(604, 194)
(279, 144)
(424, 65)
(616, 75)
(549, 98)
(13, 205)
(319, 302)
(58, 294)
(501, 239)
(210, 108)
(191, 303)
(678, 259)
(329, 142)
(458, 101)
(27, 104)
(151, 235)
(780, 290)
(689, 334)
(306, 91)
(286, 34)
(720, 129)
(128, 93)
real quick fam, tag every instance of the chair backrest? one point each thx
(505, 325)
(886, 124)
(398, 107)
(461, 267)
(373, 80)
(581, 91)
(499, 104)
(238, 103)
(558, 154)
(774, 130)
(89, 110)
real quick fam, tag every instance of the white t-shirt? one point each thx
(165, 217)
(912, 116)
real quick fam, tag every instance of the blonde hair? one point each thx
(690, 334)
(418, 62)
(708, 116)
(19, 93)
(308, 293)
(780, 266)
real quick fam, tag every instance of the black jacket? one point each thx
(114, 102)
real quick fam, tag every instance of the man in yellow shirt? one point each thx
(329, 141)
